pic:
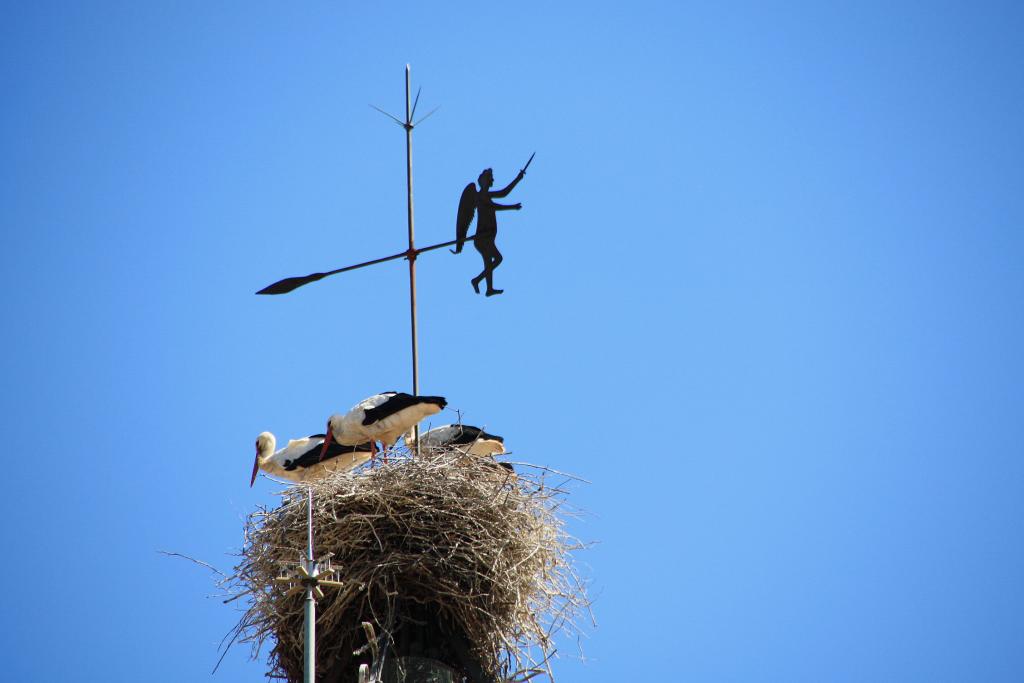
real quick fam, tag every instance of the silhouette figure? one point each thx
(486, 223)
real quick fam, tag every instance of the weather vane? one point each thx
(471, 200)
(486, 223)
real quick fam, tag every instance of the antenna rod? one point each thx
(412, 247)
(412, 252)
(309, 645)
(309, 525)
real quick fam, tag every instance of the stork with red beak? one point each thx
(301, 459)
(382, 417)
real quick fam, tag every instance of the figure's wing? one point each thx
(467, 205)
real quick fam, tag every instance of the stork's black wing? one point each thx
(312, 456)
(466, 434)
(400, 401)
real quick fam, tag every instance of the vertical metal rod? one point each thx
(309, 645)
(309, 524)
(412, 247)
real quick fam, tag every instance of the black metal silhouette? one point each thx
(481, 201)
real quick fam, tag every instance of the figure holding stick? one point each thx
(481, 201)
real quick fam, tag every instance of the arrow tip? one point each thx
(289, 283)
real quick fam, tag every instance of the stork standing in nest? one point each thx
(382, 417)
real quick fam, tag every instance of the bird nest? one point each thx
(457, 546)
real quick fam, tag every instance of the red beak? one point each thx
(255, 469)
(328, 440)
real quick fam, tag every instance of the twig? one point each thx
(192, 559)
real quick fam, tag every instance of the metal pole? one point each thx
(309, 523)
(412, 250)
(309, 644)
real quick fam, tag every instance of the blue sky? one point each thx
(765, 293)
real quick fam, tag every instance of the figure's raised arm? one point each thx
(508, 188)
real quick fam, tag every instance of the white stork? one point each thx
(465, 438)
(382, 417)
(300, 460)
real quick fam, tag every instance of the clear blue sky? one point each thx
(765, 293)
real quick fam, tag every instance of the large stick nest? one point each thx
(480, 549)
